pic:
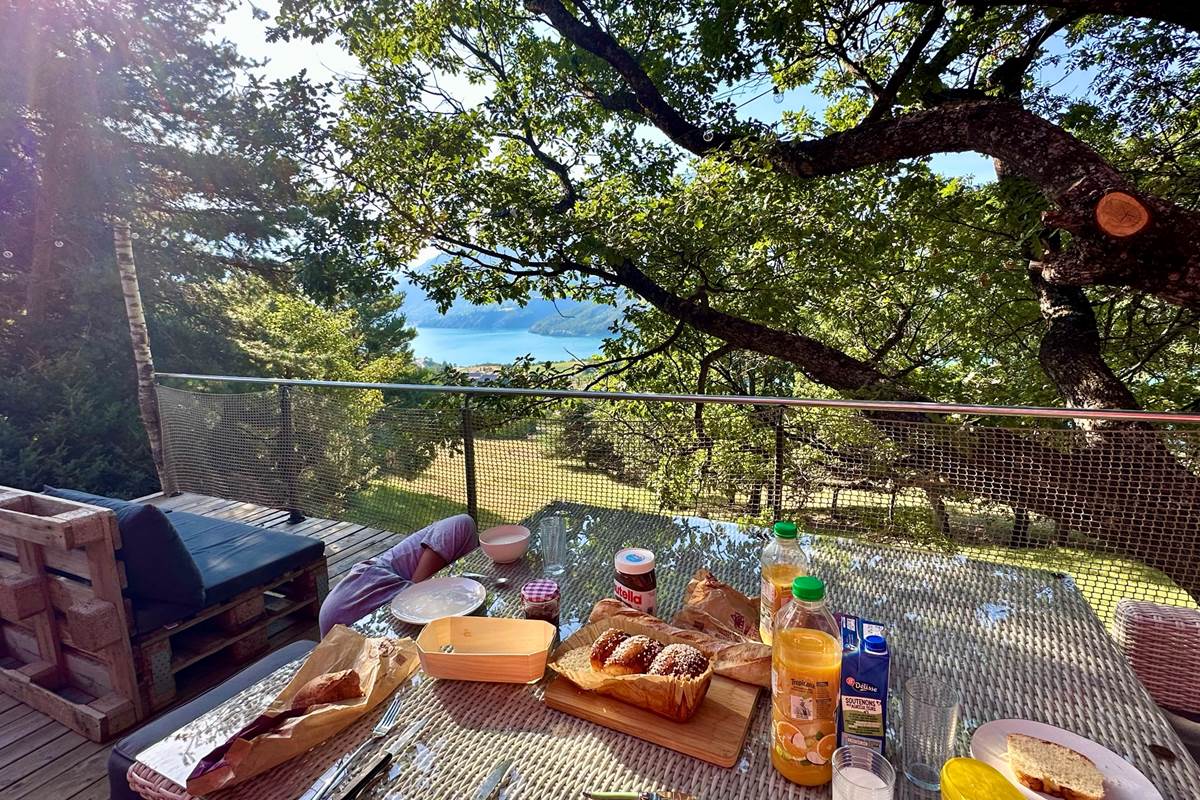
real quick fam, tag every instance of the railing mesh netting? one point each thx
(1115, 506)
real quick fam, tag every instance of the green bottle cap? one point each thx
(808, 587)
(785, 530)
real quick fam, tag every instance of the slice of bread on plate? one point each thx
(1054, 769)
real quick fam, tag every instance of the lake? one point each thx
(464, 347)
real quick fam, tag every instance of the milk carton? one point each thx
(862, 717)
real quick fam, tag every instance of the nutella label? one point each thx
(642, 601)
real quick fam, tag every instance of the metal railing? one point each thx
(1116, 504)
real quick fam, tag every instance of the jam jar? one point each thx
(540, 600)
(636, 584)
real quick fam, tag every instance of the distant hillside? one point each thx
(539, 315)
(583, 320)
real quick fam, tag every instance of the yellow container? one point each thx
(969, 779)
(493, 649)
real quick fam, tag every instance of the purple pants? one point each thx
(376, 581)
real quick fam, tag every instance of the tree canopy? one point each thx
(606, 149)
(133, 110)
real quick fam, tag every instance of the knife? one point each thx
(487, 789)
(396, 746)
(393, 749)
(351, 788)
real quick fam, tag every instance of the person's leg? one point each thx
(372, 583)
(369, 585)
(450, 539)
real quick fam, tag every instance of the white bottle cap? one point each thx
(634, 561)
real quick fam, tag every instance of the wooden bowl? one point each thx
(491, 649)
(504, 544)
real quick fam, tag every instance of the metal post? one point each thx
(289, 464)
(468, 435)
(777, 481)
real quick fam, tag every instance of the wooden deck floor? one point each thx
(40, 758)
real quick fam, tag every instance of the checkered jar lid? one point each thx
(539, 591)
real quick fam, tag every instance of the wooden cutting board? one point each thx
(714, 734)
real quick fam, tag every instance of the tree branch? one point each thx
(1070, 174)
(1070, 351)
(817, 360)
(887, 96)
(1008, 76)
(1184, 14)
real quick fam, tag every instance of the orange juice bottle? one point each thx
(806, 674)
(782, 562)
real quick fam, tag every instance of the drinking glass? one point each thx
(552, 532)
(930, 724)
(860, 773)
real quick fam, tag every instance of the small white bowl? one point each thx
(505, 544)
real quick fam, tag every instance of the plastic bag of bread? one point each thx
(344, 677)
(745, 661)
(675, 695)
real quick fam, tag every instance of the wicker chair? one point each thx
(1163, 645)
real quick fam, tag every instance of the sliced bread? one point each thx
(1056, 770)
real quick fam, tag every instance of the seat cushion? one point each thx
(125, 751)
(159, 570)
(234, 557)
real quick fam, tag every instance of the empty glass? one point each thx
(552, 533)
(930, 724)
(860, 773)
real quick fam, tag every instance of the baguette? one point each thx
(332, 687)
(748, 662)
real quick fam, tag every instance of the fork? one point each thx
(385, 724)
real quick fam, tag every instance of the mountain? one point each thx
(539, 315)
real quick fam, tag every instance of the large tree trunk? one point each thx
(140, 338)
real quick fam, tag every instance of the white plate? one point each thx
(1122, 781)
(438, 597)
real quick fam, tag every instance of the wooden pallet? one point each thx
(64, 628)
(231, 633)
(67, 646)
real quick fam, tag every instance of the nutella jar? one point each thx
(636, 584)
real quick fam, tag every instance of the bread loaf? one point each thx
(332, 687)
(632, 656)
(602, 648)
(748, 662)
(627, 655)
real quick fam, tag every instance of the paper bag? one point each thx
(718, 609)
(673, 697)
(282, 732)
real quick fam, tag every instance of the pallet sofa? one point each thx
(107, 605)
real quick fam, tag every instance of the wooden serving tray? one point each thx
(714, 734)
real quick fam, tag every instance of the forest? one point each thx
(752, 188)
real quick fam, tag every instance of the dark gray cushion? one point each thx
(234, 557)
(158, 567)
(125, 751)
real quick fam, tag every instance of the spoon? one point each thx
(498, 581)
